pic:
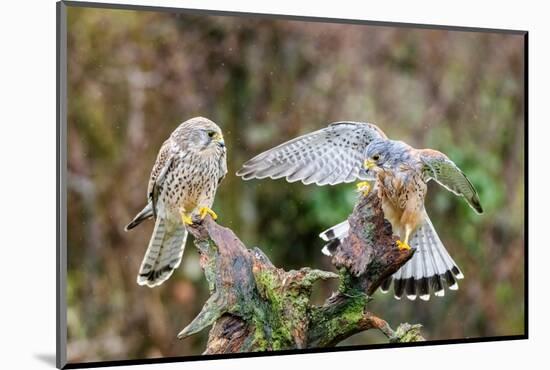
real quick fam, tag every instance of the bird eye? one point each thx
(376, 157)
(211, 134)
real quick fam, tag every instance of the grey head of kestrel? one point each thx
(349, 151)
(183, 182)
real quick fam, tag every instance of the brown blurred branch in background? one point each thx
(255, 306)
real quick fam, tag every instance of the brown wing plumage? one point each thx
(184, 177)
(163, 157)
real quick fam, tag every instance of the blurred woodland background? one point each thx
(135, 75)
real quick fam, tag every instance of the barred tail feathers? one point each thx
(163, 254)
(334, 236)
(428, 268)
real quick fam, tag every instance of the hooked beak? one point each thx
(369, 164)
(218, 139)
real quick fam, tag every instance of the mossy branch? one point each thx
(255, 306)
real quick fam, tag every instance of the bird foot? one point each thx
(203, 211)
(363, 187)
(403, 246)
(186, 218)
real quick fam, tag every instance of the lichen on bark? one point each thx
(255, 306)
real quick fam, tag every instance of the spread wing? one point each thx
(332, 155)
(441, 169)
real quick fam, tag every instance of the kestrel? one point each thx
(346, 151)
(189, 167)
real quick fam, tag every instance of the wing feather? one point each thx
(158, 173)
(331, 155)
(439, 167)
(223, 167)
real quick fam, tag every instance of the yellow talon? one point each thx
(403, 245)
(186, 219)
(364, 187)
(203, 211)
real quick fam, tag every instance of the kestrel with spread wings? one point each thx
(345, 152)
(189, 167)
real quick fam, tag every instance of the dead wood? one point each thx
(255, 306)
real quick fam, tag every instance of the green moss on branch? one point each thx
(255, 306)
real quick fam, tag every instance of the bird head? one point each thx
(384, 154)
(212, 137)
(202, 134)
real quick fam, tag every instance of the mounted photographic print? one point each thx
(234, 184)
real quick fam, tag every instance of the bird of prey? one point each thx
(189, 167)
(347, 151)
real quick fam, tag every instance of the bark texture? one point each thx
(255, 306)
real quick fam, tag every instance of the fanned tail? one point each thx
(428, 270)
(164, 253)
(430, 266)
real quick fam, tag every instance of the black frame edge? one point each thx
(526, 180)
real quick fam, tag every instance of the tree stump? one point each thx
(255, 306)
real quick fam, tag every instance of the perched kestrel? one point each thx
(347, 151)
(189, 167)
